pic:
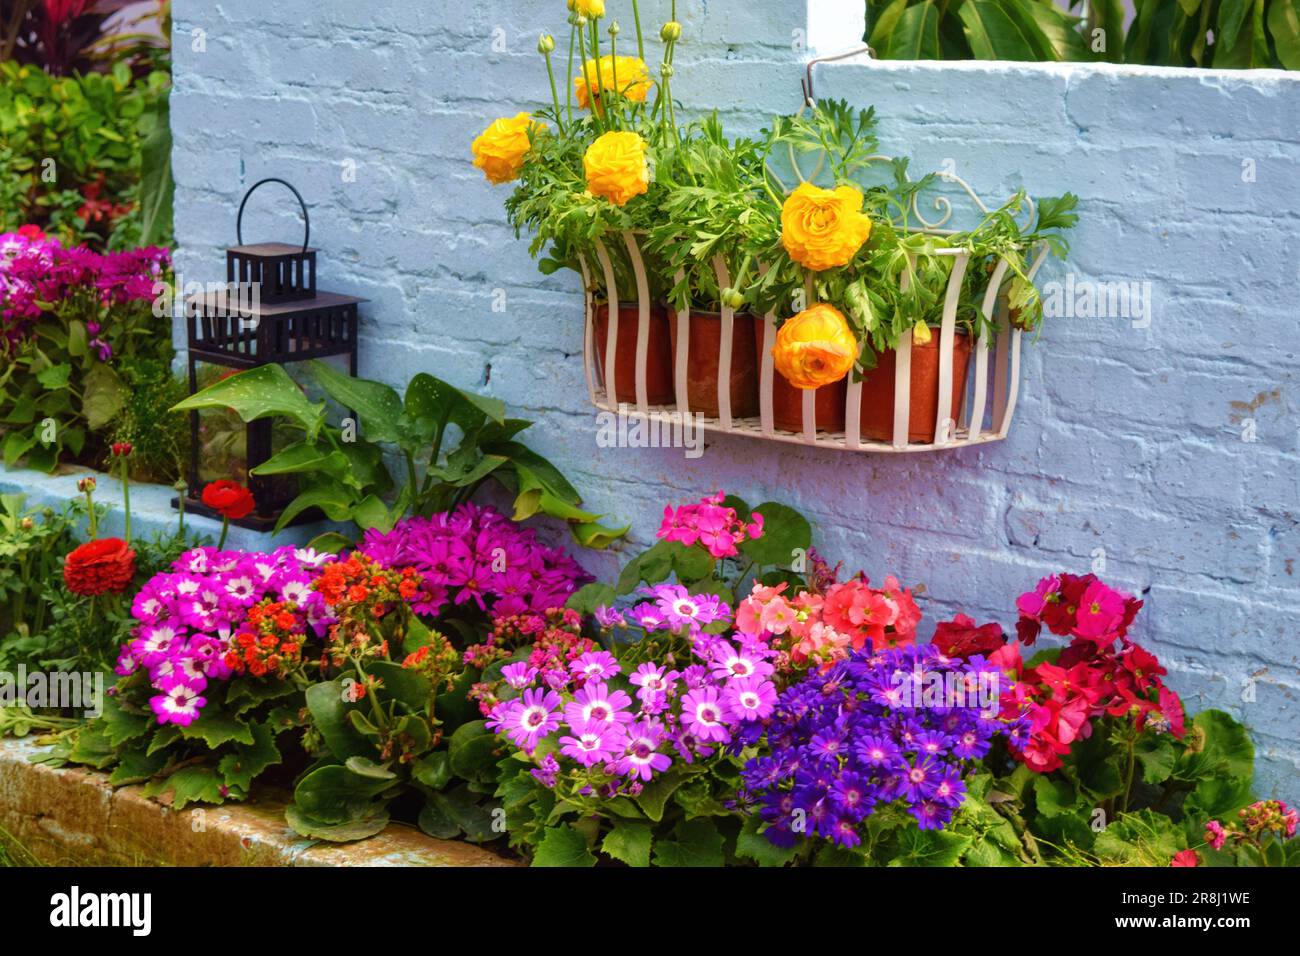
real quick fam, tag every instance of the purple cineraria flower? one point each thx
(705, 715)
(596, 705)
(519, 675)
(529, 718)
(608, 617)
(640, 758)
(546, 771)
(750, 698)
(595, 744)
(655, 682)
(681, 609)
(595, 665)
(648, 617)
(729, 662)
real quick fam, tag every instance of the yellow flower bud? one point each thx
(672, 30)
(921, 334)
(545, 43)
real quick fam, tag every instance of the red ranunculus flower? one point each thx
(961, 638)
(229, 499)
(102, 566)
(29, 231)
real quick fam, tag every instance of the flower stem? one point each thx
(640, 43)
(568, 87)
(225, 530)
(126, 499)
(555, 96)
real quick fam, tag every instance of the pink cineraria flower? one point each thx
(179, 704)
(750, 698)
(527, 719)
(655, 682)
(640, 758)
(596, 705)
(705, 715)
(595, 665)
(595, 744)
(1101, 609)
(519, 675)
(729, 662)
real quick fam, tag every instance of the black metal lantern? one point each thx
(269, 312)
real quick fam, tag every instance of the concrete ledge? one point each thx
(72, 817)
(151, 509)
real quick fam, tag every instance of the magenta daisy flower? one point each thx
(705, 715)
(750, 698)
(596, 665)
(640, 759)
(595, 743)
(595, 704)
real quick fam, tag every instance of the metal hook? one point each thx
(807, 81)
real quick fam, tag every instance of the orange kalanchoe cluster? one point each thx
(361, 593)
(270, 641)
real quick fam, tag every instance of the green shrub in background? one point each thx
(1233, 34)
(86, 157)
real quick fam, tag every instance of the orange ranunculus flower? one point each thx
(500, 149)
(628, 74)
(102, 566)
(823, 228)
(617, 167)
(815, 348)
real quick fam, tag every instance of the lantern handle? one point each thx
(306, 219)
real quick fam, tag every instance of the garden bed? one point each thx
(74, 816)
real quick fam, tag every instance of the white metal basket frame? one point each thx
(967, 428)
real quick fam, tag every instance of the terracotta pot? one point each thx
(658, 359)
(878, 390)
(703, 349)
(787, 401)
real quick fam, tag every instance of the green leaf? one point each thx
(331, 542)
(262, 392)
(409, 687)
(240, 768)
(654, 796)
(915, 36)
(930, 848)
(991, 33)
(628, 843)
(752, 845)
(597, 537)
(188, 785)
(360, 829)
(786, 535)
(466, 810)
(1157, 755)
(1232, 14)
(331, 497)
(591, 596)
(563, 846)
(329, 717)
(433, 770)
(215, 728)
(305, 456)
(377, 405)
(1054, 797)
(1284, 25)
(1223, 738)
(156, 185)
(119, 726)
(136, 767)
(365, 767)
(697, 843)
(102, 397)
(473, 750)
(334, 794)
(56, 376)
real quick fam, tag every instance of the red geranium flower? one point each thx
(31, 232)
(1185, 858)
(229, 499)
(103, 566)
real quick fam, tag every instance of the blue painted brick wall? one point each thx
(1127, 439)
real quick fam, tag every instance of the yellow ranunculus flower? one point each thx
(823, 228)
(633, 80)
(617, 167)
(589, 8)
(815, 348)
(500, 149)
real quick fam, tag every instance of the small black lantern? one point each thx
(269, 312)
